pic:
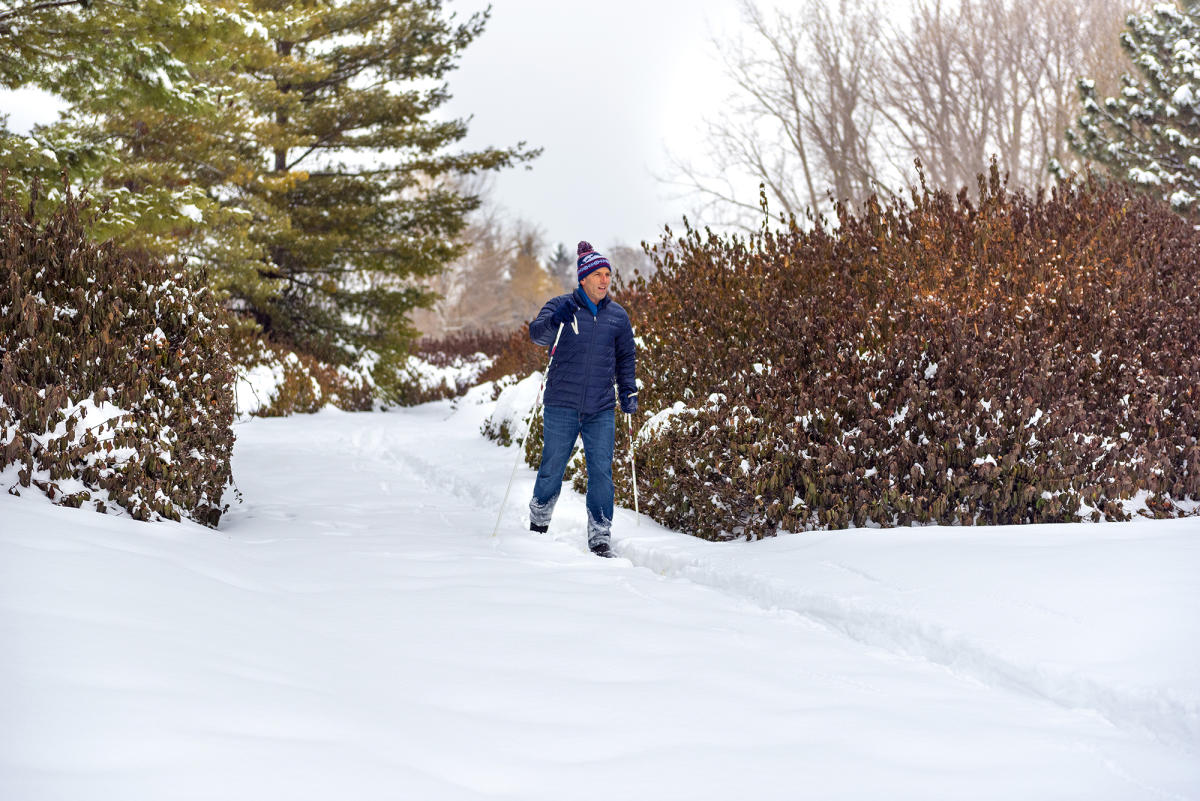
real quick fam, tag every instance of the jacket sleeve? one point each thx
(541, 329)
(626, 363)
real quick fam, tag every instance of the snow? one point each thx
(88, 416)
(514, 405)
(74, 420)
(255, 387)
(255, 29)
(1181, 198)
(1167, 10)
(661, 420)
(191, 212)
(1140, 176)
(430, 376)
(352, 631)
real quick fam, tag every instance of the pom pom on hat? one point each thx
(589, 260)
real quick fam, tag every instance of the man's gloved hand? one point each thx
(565, 311)
(629, 404)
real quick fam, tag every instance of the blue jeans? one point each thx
(561, 426)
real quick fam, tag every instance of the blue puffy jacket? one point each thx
(593, 353)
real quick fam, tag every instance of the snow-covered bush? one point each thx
(115, 376)
(510, 420)
(446, 367)
(517, 357)
(274, 380)
(1020, 360)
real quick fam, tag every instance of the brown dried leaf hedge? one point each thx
(933, 360)
(116, 386)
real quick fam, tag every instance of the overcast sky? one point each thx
(606, 87)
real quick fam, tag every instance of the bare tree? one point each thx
(1075, 40)
(968, 80)
(627, 260)
(800, 123)
(928, 90)
(834, 99)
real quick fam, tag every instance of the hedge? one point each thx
(1015, 359)
(115, 375)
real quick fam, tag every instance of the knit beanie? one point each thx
(589, 261)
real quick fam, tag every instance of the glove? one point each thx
(565, 311)
(629, 404)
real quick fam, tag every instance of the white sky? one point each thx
(606, 88)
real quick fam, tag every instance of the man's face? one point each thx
(596, 284)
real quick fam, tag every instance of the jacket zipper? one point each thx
(587, 364)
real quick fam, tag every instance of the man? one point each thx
(594, 352)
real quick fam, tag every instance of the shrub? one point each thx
(452, 349)
(448, 366)
(517, 357)
(273, 380)
(115, 377)
(1022, 359)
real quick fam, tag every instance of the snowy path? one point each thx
(354, 632)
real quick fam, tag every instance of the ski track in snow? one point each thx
(1172, 720)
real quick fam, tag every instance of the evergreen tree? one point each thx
(359, 189)
(77, 48)
(1149, 135)
(126, 57)
(563, 264)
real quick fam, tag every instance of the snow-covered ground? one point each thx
(353, 631)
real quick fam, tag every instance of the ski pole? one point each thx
(536, 403)
(633, 467)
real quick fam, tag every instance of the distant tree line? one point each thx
(499, 282)
(507, 271)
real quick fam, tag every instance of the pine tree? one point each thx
(77, 48)
(355, 175)
(125, 57)
(1149, 135)
(562, 264)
